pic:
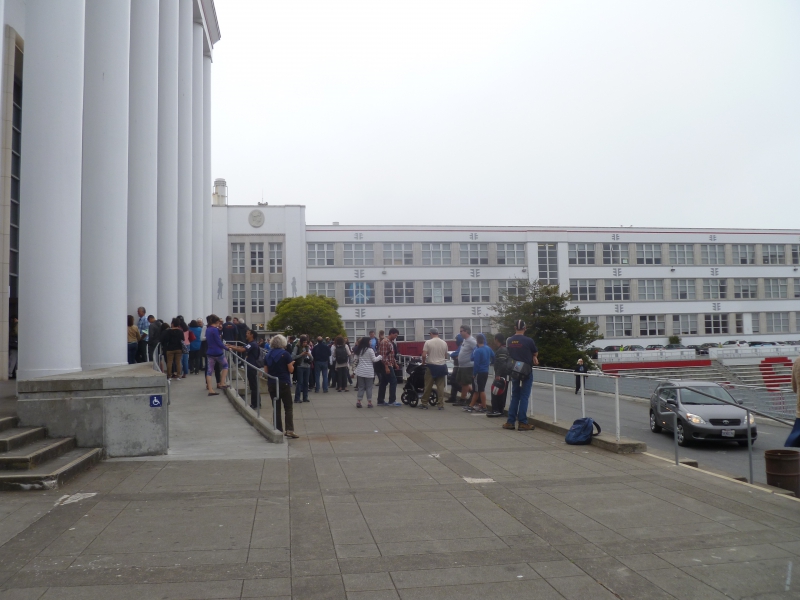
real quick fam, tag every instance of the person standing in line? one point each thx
(434, 361)
(455, 389)
(194, 347)
(215, 355)
(373, 341)
(144, 329)
(153, 334)
(188, 336)
(365, 372)
(321, 354)
(172, 344)
(464, 375)
(389, 364)
(229, 331)
(500, 373)
(482, 358)
(580, 369)
(242, 328)
(133, 340)
(203, 345)
(252, 355)
(341, 355)
(279, 364)
(521, 348)
(302, 365)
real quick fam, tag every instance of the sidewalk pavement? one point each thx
(392, 503)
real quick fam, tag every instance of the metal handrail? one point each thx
(241, 364)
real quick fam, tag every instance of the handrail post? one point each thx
(616, 403)
(554, 398)
(749, 445)
(583, 398)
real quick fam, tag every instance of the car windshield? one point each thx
(690, 397)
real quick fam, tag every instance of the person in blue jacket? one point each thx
(482, 357)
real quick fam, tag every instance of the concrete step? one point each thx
(35, 453)
(11, 439)
(52, 474)
(8, 423)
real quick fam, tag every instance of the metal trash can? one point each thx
(783, 469)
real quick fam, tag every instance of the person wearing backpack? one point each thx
(341, 355)
(523, 350)
(500, 385)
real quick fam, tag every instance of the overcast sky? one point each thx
(647, 113)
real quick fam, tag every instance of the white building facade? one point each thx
(105, 174)
(640, 285)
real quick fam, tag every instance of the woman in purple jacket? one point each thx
(215, 353)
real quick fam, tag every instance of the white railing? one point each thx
(645, 355)
(238, 367)
(756, 352)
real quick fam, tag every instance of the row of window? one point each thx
(407, 328)
(396, 254)
(275, 251)
(256, 297)
(585, 290)
(618, 326)
(402, 292)
(682, 254)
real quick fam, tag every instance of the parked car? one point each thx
(612, 349)
(758, 344)
(703, 350)
(694, 347)
(655, 347)
(592, 352)
(701, 416)
(735, 344)
(674, 347)
(633, 348)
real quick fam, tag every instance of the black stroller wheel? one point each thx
(413, 399)
(434, 398)
(404, 397)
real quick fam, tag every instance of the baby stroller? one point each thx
(415, 385)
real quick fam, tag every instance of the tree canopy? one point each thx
(559, 333)
(314, 315)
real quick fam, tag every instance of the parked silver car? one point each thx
(700, 417)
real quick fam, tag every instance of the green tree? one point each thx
(314, 315)
(674, 339)
(559, 333)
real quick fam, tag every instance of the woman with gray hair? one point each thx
(279, 364)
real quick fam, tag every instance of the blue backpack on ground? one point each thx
(582, 431)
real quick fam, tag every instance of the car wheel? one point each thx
(682, 440)
(654, 426)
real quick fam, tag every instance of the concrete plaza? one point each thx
(391, 503)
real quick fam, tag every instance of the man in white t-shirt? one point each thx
(434, 361)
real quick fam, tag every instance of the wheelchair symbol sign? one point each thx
(155, 401)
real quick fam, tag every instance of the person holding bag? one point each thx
(525, 355)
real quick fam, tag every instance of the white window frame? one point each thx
(712, 254)
(276, 257)
(473, 253)
(583, 290)
(319, 254)
(683, 287)
(716, 324)
(355, 330)
(616, 254)
(436, 253)
(684, 324)
(406, 327)
(648, 254)
(756, 319)
(322, 288)
(776, 287)
(619, 326)
(581, 254)
(275, 295)
(617, 290)
(359, 254)
(359, 292)
(507, 288)
(547, 254)
(715, 289)
(744, 254)
(796, 254)
(437, 292)
(479, 325)
(237, 258)
(777, 322)
(475, 291)
(445, 327)
(238, 299)
(511, 254)
(257, 298)
(652, 325)
(398, 254)
(398, 292)
(681, 254)
(256, 257)
(651, 289)
(745, 288)
(773, 254)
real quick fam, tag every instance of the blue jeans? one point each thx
(185, 363)
(320, 367)
(520, 394)
(303, 375)
(391, 379)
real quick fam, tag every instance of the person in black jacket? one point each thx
(321, 354)
(172, 345)
(230, 333)
(579, 368)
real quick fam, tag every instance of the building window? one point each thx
(398, 292)
(256, 297)
(510, 254)
(581, 254)
(739, 317)
(796, 254)
(651, 289)
(237, 295)
(618, 326)
(404, 326)
(744, 254)
(651, 325)
(275, 296)
(617, 289)
(437, 292)
(683, 289)
(474, 254)
(359, 292)
(506, 288)
(756, 322)
(745, 288)
(648, 254)
(716, 324)
(778, 322)
(587, 319)
(684, 324)
(358, 255)
(715, 289)
(445, 327)
(483, 326)
(276, 257)
(237, 259)
(773, 254)
(712, 254)
(355, 330)
(320, 255)
(398, 254)
(776, 288)
(475, 291)
(257, 258)
(583, 290)
(322, 288)
(681, 254)
(615, 254)
(548, 263)
(436, 254)
(796, 287)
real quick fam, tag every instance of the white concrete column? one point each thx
(143, 158)
(104, 198)
(198, 186)
(208, 285)
(50, 249)
(167, 159)
(185, 47)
